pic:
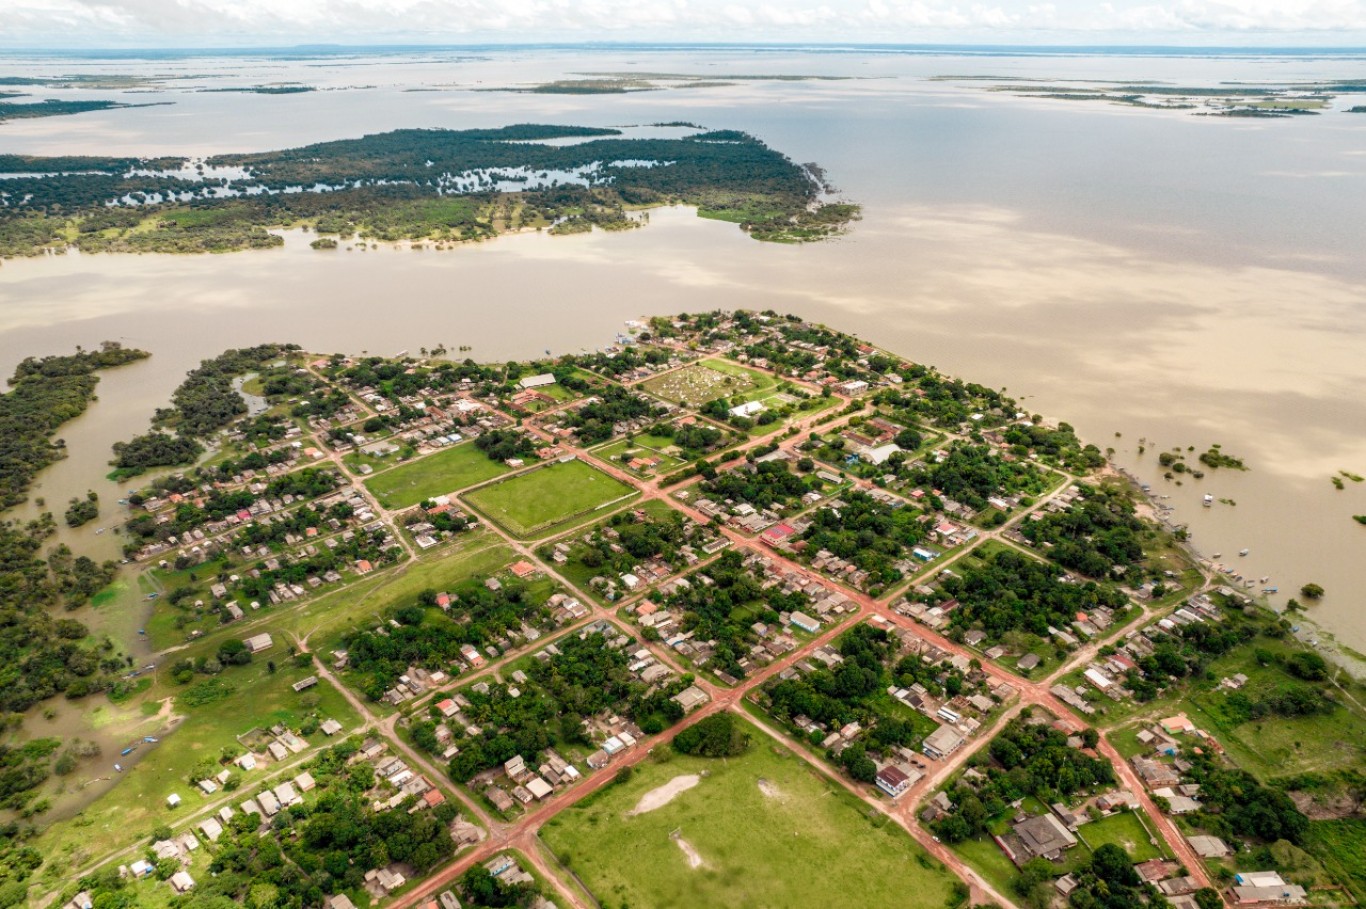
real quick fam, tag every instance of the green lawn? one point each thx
(1125, 830)
(537, 502)
(807, 843)
(990, 862)
(437, 474)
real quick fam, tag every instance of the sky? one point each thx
(229, 23)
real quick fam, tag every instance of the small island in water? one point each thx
(436, 185)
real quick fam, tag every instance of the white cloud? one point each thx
(209, 22)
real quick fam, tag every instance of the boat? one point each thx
(1217, 555)
(1243, 552)
(1270, 589)
(150, 739)
(127, 751)
(119, 768)
(1209, 500)
(99, 530)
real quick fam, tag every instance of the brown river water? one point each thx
(1186, 280)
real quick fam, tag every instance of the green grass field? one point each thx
(1125, 830)
(989, 861)
(802, 843)
(437, 474)
(535, 503)
(1340, 846)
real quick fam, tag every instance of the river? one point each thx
(1184, 280)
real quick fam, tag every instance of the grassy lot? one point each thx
(989, 861)
(437, 474)
(535, 503)
(1125, 830)
(480, 554)
(1274, 747)
(806, 844)
(1341, 847)
(132, 808)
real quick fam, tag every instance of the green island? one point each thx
(52, 107)
(44, 394)
(444, 186)
(608, 83)
(289, 89)
(741, 611)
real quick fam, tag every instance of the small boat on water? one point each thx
(150, 739)
(1217, 555)
(1243, 552)
(99, 530)
(1209, 500)
(1270, 589)
(119, 768)
(127, 751)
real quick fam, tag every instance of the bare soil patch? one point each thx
(769, 790)
(663, 795)
(694, 857)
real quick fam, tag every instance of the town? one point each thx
(421, 618)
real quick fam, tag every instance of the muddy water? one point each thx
(1178, 279)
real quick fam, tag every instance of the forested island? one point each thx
(45, 394)
(52, 108)
(413, 184)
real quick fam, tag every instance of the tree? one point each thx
(1112, 864)
(718, 735)
(1208, 898)
(1307, 665)
(1311, 591)
(233, 652)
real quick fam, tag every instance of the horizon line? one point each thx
(330, 46)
